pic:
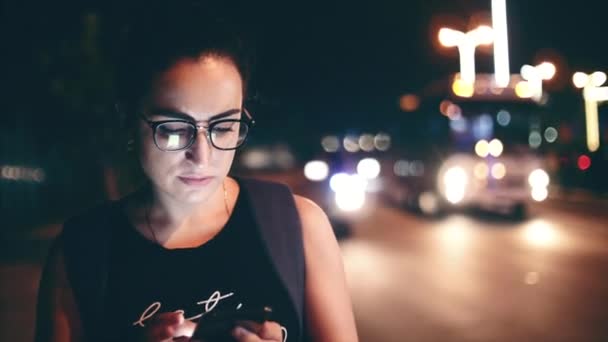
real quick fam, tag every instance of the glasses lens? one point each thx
(172, 136)
(228, 134)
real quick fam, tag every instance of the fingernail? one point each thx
(239, 332)
(180, 316)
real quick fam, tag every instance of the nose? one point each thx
(200, 151)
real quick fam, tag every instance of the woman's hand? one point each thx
(248, 331)
(166, 326)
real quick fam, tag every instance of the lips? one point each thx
(195, 180)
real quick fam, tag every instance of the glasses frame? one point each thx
(248, 121)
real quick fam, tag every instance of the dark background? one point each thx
(321, 67)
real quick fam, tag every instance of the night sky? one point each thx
(329, 66)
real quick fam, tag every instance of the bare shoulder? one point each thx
(328, 307)
(319, 239)
(315, 223)
(309, 210)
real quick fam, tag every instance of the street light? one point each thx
(593, 93)
(535, 75)
(466, 44)
(502, 75)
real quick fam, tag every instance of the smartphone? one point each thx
(218, 324)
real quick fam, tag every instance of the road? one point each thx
(479, 277)
(458, 278)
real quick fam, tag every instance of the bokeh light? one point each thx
(330, 143)
(368, 168)
(316, 170)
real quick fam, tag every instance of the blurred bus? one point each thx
(472, 148)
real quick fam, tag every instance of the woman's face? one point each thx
(196, 90)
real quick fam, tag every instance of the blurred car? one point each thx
(479, 150)
(506, 184)
(346, 173)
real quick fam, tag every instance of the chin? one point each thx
(193, 198)
(193, 195)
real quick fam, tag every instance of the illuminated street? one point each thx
(458, 278)
(481, 278)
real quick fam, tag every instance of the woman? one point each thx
(193, 240)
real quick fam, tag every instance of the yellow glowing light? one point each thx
(454, 194)
(580, 79)
(502, 74)
(481, 171)
(483, 35)
(462, 88)
(528, 72)
(499, 171)
(593, 93)
(539, 194)
(538, 179)
(368, 168)
(466, 44)
(350, 200)
(598, 78)
(523, 90)
(409, 102)
(547, 70)
(496, 147)
(449, 37)
(593, 129)
(349, 191)
(455, 182)
(455, 235)
(316, 170)
(540, 234)
(482, 148)
(598, 94)
(535, 75)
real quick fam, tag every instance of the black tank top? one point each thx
(229, 271)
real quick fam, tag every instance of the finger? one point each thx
(243, 335)
(168, 318)
(185, 329)
(252, 326)
(268, 330)
(165, 326)
(161, 333)
(271, 331)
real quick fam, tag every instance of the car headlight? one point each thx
(316, 170)
(368, 168)
(455, 181)
(349, 191)
(538, 179)
(539, 194)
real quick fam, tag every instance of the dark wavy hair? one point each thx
(160, 36)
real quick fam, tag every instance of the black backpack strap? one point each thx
(281, 230)
(86, 244)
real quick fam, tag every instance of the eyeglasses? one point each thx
(178, 134)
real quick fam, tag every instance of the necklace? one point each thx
(147, 212)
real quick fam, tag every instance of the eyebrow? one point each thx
(176, 114)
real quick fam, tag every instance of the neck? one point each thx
(169, 216)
